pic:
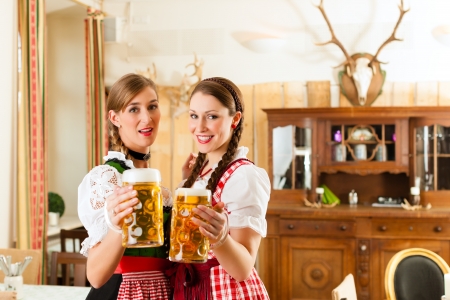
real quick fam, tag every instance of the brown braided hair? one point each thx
(231, 97)
(121, 93)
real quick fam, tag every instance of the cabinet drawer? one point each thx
(317, 227)
(413, 228)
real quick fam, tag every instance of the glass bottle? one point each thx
(319, 195)
(415, 195)
(352, 198)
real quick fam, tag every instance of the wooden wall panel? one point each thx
(385, 99)
(161, 149)
(318, 93)
(294, 93)
(182, 143)
(426, 93)
(247, 138)
(403, 94)
(343, 101)
(444, 93)
(267, 95)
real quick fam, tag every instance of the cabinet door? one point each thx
(364, 147)
(431, 160)
(312, 267)
(382, 252)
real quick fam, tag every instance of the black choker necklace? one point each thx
(138, 155)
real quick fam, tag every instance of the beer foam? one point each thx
(192, 192)
(141, 175)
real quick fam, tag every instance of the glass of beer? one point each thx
(144, 226)
(187, 243)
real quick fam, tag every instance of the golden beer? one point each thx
(144, 226)
(187, 243)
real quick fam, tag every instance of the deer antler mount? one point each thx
(362, 79)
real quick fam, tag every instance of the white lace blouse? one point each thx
(92, 192)
(246, 195)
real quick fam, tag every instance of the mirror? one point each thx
(291, 158)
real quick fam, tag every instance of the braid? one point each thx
(195, 170)
(116, 143)
(227, 158)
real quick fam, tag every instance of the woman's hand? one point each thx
(120, 204)
(216, 226)
(186, 169)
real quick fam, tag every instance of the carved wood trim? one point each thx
(363, 269)
(362, 172)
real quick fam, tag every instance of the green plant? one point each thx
(56, 203)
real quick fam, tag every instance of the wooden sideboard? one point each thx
(308, 251)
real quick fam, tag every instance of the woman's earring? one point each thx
(233, 126)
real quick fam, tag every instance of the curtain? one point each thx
(32, 166)
(96, 103)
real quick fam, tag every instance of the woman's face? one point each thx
(210, 124)
(139, 121)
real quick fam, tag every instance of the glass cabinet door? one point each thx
(291, 158)
(353, 142)
(432, 157)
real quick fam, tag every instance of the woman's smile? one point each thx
(146, 131)
(204, 139)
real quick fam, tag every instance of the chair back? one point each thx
(345, 290)
(417, 274)
(68, 258)
(76, 237)
(31, 274)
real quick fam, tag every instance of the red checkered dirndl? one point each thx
(223, 286)
(148, 285)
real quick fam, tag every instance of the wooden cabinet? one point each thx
(308, 251)
(375, 151)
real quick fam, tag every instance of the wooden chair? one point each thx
(76, 236)
(345, 290)
(417, 274)
(31, 275)
(68, 258)
(73, 238)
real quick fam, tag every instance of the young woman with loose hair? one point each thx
(116, 272)
(241, 191)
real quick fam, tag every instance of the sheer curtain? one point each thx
(96, 98)
(32, 147)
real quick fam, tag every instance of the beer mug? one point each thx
(187, 243)
(144, 226)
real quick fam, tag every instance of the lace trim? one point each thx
(102, 180)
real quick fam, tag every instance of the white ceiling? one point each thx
(55, 5)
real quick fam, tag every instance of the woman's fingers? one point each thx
(186, 169)
(120, 195)
(214, 222)
(120, 203)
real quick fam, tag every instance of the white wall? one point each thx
(173, 29)
(8, 90)
(67, 145)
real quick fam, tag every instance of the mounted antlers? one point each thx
(392, 38)
(363, 79)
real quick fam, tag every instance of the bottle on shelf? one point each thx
(415, 195)
(319, 194)
(353, 198)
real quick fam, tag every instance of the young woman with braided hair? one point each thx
(113, 271)
(241, 191)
